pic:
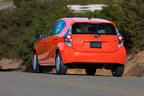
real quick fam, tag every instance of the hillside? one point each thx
(135, 64)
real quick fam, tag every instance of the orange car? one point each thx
(88, 43)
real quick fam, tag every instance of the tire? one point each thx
(118, 70)
(36, 67)
(60, 67)
(90, 71)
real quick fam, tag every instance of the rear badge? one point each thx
(114, 40)
(96, 37)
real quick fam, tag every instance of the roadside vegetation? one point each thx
(6, 0)
(18, 25)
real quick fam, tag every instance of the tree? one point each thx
(133, 22)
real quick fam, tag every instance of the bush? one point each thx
(133, 23)
(20, 24)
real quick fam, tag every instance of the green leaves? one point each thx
(19, 26)
(133, 21)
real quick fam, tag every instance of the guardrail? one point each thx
(83, 8)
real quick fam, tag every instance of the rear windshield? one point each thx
(93, 28)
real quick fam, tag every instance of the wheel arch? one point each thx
(33, 53)
(57, 50)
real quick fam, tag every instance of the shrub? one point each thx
(133, 22)
(20, 24)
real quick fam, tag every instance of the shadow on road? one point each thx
(77, 75)
(50, 71)
(9, 70)
(88, 75)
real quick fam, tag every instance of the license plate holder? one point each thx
(95, 45)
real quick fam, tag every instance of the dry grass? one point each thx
(135, 65)
(9, 64)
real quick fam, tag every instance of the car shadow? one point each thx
(89, 75)
(78, 75)
(52, 72)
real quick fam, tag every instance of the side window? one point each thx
(50, 30)
(59, 27)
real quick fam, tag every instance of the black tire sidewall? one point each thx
(118, 70)
(90, 71)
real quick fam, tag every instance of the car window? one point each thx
(91, 28)
(49, 30)
(59, 26)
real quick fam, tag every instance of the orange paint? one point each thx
(80, 51)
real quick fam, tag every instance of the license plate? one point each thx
(95, 44)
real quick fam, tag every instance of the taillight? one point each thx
(68, 38)
(120, 41)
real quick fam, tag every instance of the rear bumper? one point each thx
(70, 55)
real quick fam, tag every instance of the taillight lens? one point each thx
(68, 38)
(120, 41)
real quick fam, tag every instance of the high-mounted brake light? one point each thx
(68, 38)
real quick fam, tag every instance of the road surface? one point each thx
(32, 84)
(6, 5)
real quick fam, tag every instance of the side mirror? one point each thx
(37, 36)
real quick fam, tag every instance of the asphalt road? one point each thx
(4, 6)
(32, 84)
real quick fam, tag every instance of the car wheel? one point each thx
(60, 67)
(36, 67)
(90, 71)
(118, 70)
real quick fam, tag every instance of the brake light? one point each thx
(68, 38)
(120, 41)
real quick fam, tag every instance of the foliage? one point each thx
(62, 2)
(133, 21)
(18, 25)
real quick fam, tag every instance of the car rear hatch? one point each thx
(94, 37)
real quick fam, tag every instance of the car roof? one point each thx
(95, 20)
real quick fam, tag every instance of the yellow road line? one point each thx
(81, 84)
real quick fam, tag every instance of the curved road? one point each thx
(32, 84)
